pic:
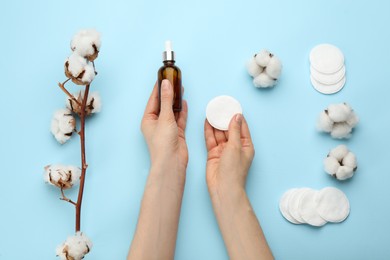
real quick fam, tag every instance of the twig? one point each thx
(83, 158)
(64, 198)
(62, 86)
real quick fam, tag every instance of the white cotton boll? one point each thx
(341, 130)
(94, 102)
(339, 152)
(339, 112)
(75, 247)
(62, 176)
(62, 125)
(353, 120)
(75, 65)
(75, 173)
(344, 172)
(345, 160)
(56, 172)
(274, 67)
(331, 165)
(89, 73)
(61, 137)
(263, 57)
(264, 81)
(86, 43)
(253, 69)
(324, 122)
(350, 160)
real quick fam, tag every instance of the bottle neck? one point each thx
(169, 62)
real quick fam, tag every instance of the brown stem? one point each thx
(62, 86)
(83, 158)
(66, 199)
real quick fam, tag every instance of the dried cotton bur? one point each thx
(265, 68)
(80, 69)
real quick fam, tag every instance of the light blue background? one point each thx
(212, 40)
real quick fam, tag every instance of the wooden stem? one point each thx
(83, 158)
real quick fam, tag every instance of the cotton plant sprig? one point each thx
(80, 69)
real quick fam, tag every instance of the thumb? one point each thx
(166, 97)
(235, 130)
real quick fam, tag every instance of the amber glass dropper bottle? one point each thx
(172, 73)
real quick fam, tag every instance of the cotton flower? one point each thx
(93, 105)
(263, 58)
(253, 69)
(62, 125)
(338, 120)
(86, 43)
(265, 68)
(61, 176)
(340, 163)
(339, 112)
(79, 69)
(274, 67)
(264, 81)
(75, 247)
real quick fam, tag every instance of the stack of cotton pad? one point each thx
(316, 208)
(220, 110)
(327, 69)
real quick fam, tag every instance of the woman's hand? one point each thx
(155, 237)
(164, 130)
(230, 155)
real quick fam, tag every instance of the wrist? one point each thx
(225, 197)
(165, 174)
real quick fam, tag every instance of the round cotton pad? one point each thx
(307, 208)
(326, 58)
(328, 89)
(283, 206)
(293, 204)
(220, 110)
(327, 79)
(332, 204)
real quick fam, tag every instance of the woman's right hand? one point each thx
(230, 155)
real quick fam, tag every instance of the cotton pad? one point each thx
(327, 89)
(327, 69)
(326, 58)
(328, 79)
(283, 206)
(312, 207)
(332, 204)
(307, 208)
(293, 204)
(220, 110)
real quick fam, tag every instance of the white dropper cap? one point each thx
(168, 46)
(168, 54)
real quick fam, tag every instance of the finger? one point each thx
(245, 133)
(235, 130)
(166, 96)
(209, 137)
(220, 136)
(182, 117)
(152, 105)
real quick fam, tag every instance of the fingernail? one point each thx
(239, 118)
(165, 84)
